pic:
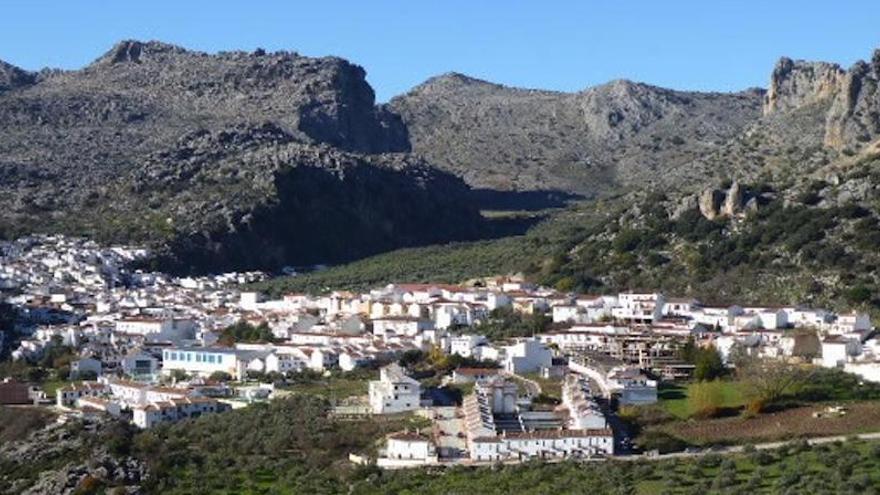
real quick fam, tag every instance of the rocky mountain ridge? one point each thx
(181, 150)
(260, 159)
(606, 137)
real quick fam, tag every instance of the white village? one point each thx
(149, 349)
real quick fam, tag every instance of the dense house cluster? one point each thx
(145, 328)
(645, 330)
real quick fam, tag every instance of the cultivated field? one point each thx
(860, 417)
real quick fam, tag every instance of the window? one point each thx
(211, 358)
(198, 358)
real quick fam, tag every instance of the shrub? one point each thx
(661, 441)
(706, 399)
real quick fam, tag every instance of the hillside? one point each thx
(786, 210)
(608, 137)
(257, 159)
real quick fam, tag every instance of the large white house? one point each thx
(204, 361)
(394, 391)
(639, 307)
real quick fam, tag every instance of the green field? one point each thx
(674, 398)
(333, 387)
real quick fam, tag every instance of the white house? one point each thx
(394, 391)
(632, 385)
(682, 307)
(471, 375)
(466, 344)
(410, 447)
(639, 307)
(144, 325)
(526, 356)
(836, 351)
(496, 398)
(851, 323)
(99, 404)
(450, 313)
(773, 319)
(67, 396)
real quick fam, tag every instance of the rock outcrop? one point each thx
(794, 84)
(850, 99)
(854, 117)
(733, 200)
(709, 202)
(726, 203)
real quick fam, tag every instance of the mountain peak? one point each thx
(12, 77)
(135, 51)
(449, 80)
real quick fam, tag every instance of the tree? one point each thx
(708, 364)
(858, 295)
(245, 332)
(178, 375)
(769, 380)
(688, 351)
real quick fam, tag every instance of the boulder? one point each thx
(733, 201)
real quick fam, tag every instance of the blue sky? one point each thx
(563, 45)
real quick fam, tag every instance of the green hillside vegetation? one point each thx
(787, 252)
(535, 253)
(259, 450)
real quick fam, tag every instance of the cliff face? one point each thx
(234, 160)
(795, 84)
(854, 117)
(851, 97)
